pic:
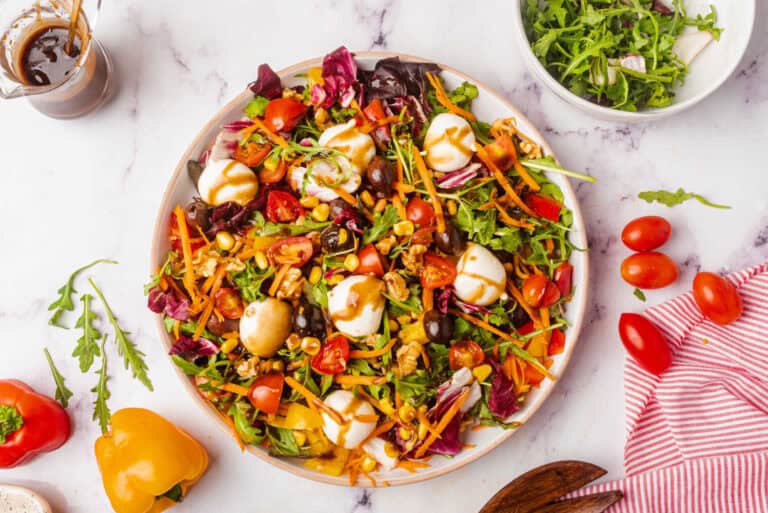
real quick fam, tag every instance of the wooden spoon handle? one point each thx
(587, 504)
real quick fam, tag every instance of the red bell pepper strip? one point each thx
(30, 423)
(544, 207)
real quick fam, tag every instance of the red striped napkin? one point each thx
(697, 436)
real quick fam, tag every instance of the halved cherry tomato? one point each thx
(646, 233)
(283, 114)
(556, 342)
(333, 356)
(540, 292)
(252, 153)
(465, 354)
(228, 303)
(423, 236)
(419, 212)
(266, 392)
(283, 207)
(649, 270)
(717, 298)
(502, 152)
(273, 173)
(437, 271)
(374, 111)
(645, 343)
(564, 278)
(292, 250)
(544, 207)
(526, 328)
(532, 375)
(370, 261)
(195, 241)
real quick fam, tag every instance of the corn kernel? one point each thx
(293, 342)
(481, 372)
(310, 345)
(407, 412)
(386, 406)
(405, 433)
(368, 464)
(509, 267)
(403, 229)
(271, 163)
(229, 345)
(300, 437)
(343, 236)
(261, 260)
(404, 319)
(321, 212)
(351, 262)
(368, 200)
(390, 450)
(381, 205)
(452, 207)
(225, 241)
(309, 201)
(335, 279)
(393, 326)
(315, 274)
(423, 408)
(278, 366)
(423, 430)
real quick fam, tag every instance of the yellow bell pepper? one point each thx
(146, 462)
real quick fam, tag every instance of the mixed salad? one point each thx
(369, 270)
(624, 54)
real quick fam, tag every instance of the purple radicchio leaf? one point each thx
(236, 126)
(471, 308)
(167, 303)
(392, 78)
(502, 400)
(460, 177)
(200, 347)
(156, 300)
(415, 110)
(267, 84)
(660, 7)
(340, 63)
(443, 299)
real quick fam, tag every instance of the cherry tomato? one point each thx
(370, 261)
(564, 278)
(283, 114)
(540, 292)
(532, 375)
(717, 298)
(266, 392)
(274, 172)
(292, 250)
(465, 354)
(649, 270)
(423, 236)
(544, 207)
(437, 271)
(419, 212)
(228, 303)
(526, 328)
(283, 207)
(645, 343)
(502, 152)
(195, 242)
(646, 233)
(252, 153)
(333, 356)
(556, 342)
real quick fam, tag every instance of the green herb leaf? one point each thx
(282, 442)
(671, 199)
(249, 281)
(133, 358)
(248, 433)
(639, 294)
(382, 223)
(64, 301)
(101, 412)
(189, 328)
(63, 394)
(10, 421)
(256, 107)
(188, 368)
(87, 348)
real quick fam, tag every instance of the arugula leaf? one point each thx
(189, 328)
(282, 442)
(639, 294)
(249, 281)
(63, 394)
(266, 228)
(256, 107)
(87, 348)
(64, 301)
(671, 199)
(133, 358)
(165, 270)
(248, 433)
(101, 412)
(188, 368)
(382, 223)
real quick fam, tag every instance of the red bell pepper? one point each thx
(30, 423)
(544, 207)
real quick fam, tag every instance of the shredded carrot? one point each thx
(411, 466)
(374, 352)
(422, 416)
(549, 245)
(511, 194)
(345, 196)
(484, 325)
(398, 399)
(521, 301)
(424, 357)
(370, 127)
(176, 325)
(519, 267)
(509, 220)
(399, 206)
(468, 446)
(399, 171)
(428, 298)
(232, 387)
(258, 124)
(313, 401)
(380, 430)
(186, 248)
(203, 320)
(278, 278)
(443, 423)
(376, 404)
(429, 184)
(442, 97)
(478, 427)
(527, 178)
(404, 188)
(349, 379)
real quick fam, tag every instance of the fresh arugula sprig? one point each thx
(66, 291)
(63, 394)
(87, 347)
(672, 199)
(101, 412)
(382, 223)
(133, 358)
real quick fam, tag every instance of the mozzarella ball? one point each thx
(264, 326)
(449, 142)
(356, 305)
(310, 181)
(382, 451)
(352, 431)
(349, 140)
(227, 180)
(480, 277)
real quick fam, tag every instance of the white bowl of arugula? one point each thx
(633, 60)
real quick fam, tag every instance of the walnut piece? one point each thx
(408, 358)
(396, 286)
(413, 259)
(386, 244)
(292, 285)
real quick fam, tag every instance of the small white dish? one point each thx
(22, 500)
(708, 71)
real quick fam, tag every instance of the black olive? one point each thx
(381, 175)
(308, 321)
(338, 206)
(335, 239)
(452, 241)
(198, 214)
(439, 327)
(194, 170)
(219, 327)
(519, 317)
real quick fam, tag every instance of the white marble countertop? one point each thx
(73, 191)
